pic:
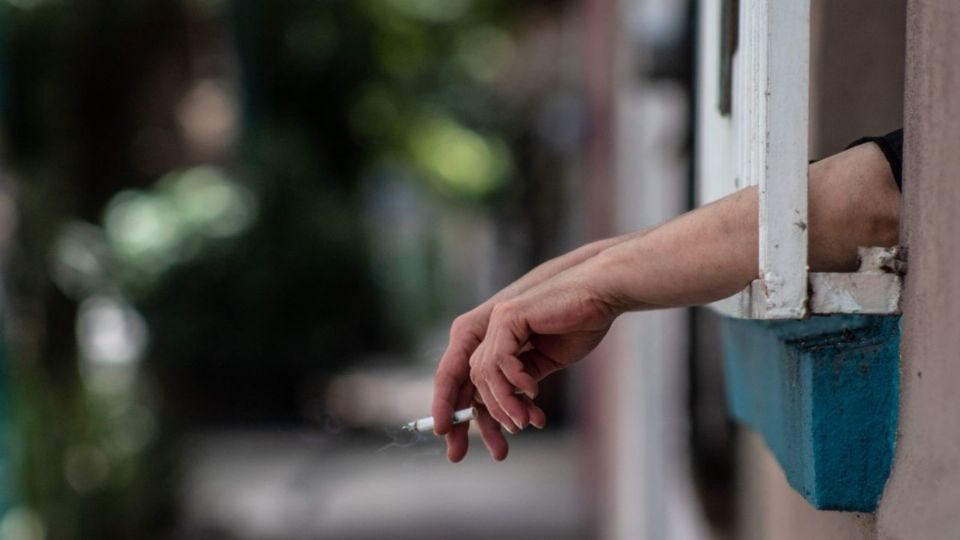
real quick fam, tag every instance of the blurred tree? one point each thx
(340, 98)
(77, 79)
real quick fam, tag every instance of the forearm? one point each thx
(701, 256)
(557, 265)
(712, 252)
(558, 313)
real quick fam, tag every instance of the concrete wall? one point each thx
(773, 510)
(856, 71)
(922, 499)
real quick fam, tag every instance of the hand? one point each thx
(531, 336)
(547, 348)
(561, 310)
(453, 389)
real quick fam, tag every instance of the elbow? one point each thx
(854, 202)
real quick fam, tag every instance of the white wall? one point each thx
(650, 484)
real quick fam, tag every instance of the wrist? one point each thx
(602, 277)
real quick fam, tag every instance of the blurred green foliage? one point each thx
(252, 273)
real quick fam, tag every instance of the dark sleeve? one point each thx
(891, 145)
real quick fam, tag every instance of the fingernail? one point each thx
(529, 395)
(538, 426)
(510, 429)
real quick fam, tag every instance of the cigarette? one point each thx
(426, 424)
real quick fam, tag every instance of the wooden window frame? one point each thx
(755, 133)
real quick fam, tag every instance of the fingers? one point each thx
(494, 361)
(492, 437)
(508, 402)
(522, 376)
(538, 365)
(493, 408)
(514, 411)
(446, 389)
(452, 372)
(457, 437)
(513, 370)
(458, 442)
(497, 393)
(487, 368)
(538, 418)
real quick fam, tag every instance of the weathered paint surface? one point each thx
(922, 499)
(824, 395)
(874, 289)
(854, 293)
(779, 141)
(762, 142)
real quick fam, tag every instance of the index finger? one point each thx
(457, 441)
(452, 372)
(446, 388)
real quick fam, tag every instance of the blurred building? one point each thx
(244, 226)
(654, 391)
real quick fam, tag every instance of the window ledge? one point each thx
(874, 289)
(824, 394)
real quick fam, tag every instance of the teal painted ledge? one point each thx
(824, 394)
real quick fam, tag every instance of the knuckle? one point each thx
(504, 310)
(466, 327)
(458, 327)
(513, 369)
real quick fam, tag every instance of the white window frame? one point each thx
(763, 142)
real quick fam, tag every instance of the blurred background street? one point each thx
(296, 485)
(234, 234)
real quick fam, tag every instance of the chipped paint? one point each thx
(875, 293)
(874, 289)
(780, 148)
(763, 143)
(844, 302)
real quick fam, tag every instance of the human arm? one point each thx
(699, 257)
(468, 330)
